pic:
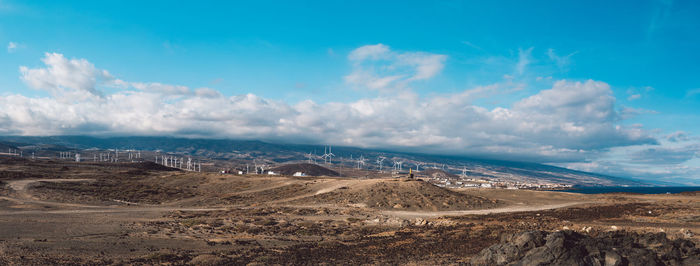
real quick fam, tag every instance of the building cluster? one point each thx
(467, 182)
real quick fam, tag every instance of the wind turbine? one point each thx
(418, 164)
(330, 155)
(380, 160)
(361, 162)
(325, 154)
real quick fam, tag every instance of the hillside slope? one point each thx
(246, 150)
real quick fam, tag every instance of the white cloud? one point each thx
(675, 160)
(638, 93)
(165, 89)
(666, 155)
(77, 79)
(378, 67)
(12, 47)
(568, 122)
(372, 52)
(63, 77)
(677, 136)
(634, 97)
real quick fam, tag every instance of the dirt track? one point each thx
(507, 209)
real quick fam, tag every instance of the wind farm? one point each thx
(159, 206)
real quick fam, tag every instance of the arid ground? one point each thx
(56, 212)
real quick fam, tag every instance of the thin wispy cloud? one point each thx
(524, 59)
(470, 44)
(377, 67)
(692, 93)
(638, 93)
(13, 47)
(562, 62)
(661, 12)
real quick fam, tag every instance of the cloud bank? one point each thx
(571, 121)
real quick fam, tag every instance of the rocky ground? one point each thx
(572, 248)
(54, 212)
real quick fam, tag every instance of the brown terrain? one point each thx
(58, 212)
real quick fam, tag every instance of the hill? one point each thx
(437, 173)
(401, 194)
(306, 168)
(245, 151)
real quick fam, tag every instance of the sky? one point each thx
(601, 86)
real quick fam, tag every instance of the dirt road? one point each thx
(23, 197)
(424, 214)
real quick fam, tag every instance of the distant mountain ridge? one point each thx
(227, 149)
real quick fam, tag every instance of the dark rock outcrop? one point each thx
(571, 248)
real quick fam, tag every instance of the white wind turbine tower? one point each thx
(330, 155)
(400, 163)
(395, 165)
(464, 172)
(311, 158)
(418, 164)
(380, 161)
(262, 169)
(361, 162)
(325, 154)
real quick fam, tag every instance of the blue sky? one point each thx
(286, 61)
